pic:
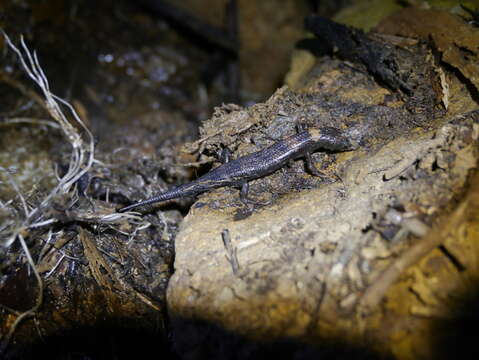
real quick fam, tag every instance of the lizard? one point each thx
(238, 172)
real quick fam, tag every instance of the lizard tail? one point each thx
(141, 203)
(168, 195)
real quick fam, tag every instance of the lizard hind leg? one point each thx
(247, 201)
(300, 127)
(244, 193)
(312, 169)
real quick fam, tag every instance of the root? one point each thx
(81, 160)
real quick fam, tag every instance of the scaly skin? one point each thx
(238, 172)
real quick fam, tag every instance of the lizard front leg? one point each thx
(224, 155)
(313, 170)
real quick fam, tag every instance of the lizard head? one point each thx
(330, 138)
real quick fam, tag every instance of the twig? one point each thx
(55, 266)
(46, 246)
(165, 229)
(140, 227)
(42, 223)
(231, 251)
(24, 120)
